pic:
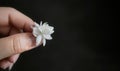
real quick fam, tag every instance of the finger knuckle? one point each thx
(16, 44)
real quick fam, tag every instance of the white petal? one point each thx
(36, 25)
(40, 28)
(46, 31)
(51, 32)
(45, 24)
(51, 28)
(48, 37)
(36, 31)
(41, 23)
(10, 67)
(38, 40)
(44, 42)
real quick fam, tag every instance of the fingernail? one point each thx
(32, 26)
(33, 41)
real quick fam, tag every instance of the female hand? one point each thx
(12, 41)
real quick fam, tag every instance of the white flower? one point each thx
(42, 32)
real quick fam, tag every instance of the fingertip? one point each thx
(20, 21)
(27, 26)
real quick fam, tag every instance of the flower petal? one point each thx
(51, 28)
(44, 42)
(36, 31)
(46, 31)
(36, 25)
(40, 23)
(45, 24)
(48, 37)
(38, 40)
(51, 32)
(11, 65)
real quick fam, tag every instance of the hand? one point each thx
(12, 41)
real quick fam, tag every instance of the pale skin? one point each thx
(12, 41)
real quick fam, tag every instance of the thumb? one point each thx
(16, 44)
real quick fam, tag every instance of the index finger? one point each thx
(16, 19)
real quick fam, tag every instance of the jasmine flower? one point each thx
(42, 32)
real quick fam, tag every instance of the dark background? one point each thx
(83, 38)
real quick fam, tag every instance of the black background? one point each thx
(83, 38)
